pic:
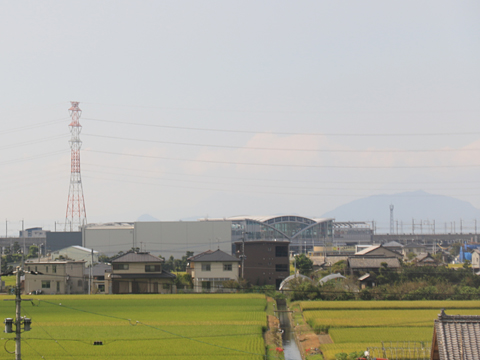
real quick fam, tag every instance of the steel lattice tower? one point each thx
(76, 214)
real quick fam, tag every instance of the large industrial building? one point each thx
(175, 238)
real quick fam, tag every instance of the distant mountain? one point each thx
(147, 217)
(418, 205)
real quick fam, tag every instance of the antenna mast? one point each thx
(76, 215)
(391, 220)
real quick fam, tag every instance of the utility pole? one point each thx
(18, 317)
(91, 273)
(391, 220)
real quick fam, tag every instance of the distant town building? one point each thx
(35, 232)
(55, 277)
(138, 273)
(265, 262)
(210, 269)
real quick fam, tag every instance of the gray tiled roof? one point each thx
(133, 257)
(163, 275)
(211, 256)
(372, 262)
(457, 335)
(392, 244)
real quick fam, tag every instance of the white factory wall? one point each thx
(163, 238)
(177, 237)
(108, 241)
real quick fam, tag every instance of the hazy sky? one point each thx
(221, 108)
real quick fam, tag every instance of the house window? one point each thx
(120, 266)
(54, 268)
(166, 286)
(281, 267)
(79, 283)
(281, 251)
(205, 267)
(45, 284)
(28, 268)
(46, 269)
(36, 269)
(153, 268)
(58, 286)
(227, 267)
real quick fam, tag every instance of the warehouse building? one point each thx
(175, 238)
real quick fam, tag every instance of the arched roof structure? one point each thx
(293, 277)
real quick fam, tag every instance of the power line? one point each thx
(286, 165)
(284, 111)
(34, 126)
(272, 186)
(284, 149)
(449, 134)
(279, 180)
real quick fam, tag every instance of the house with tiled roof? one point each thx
(138, 273)
(456, 337)
(424, 260)
(379, 250)
(211, 268)
(359, 264)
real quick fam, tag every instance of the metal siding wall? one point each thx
(108, 241)
(177, 237)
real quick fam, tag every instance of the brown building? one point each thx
(265, 263)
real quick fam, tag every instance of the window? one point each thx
(58, 286)
(281, 267)
(28, 268)
(227, 267)
(46, 268)
(120, 266)
(54, 268)
(281, 251)
(205, 267)
(45, 284)
(166, 286)
(79, 283)
(153, 268)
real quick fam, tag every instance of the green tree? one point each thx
(32, 252)
(304, 264)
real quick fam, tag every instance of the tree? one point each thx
(339, 267)
(304, 264)
(16, 248)
(32, 252)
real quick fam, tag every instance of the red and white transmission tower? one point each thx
(76, 214)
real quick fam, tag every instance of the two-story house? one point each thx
(57, 277)
(210, 269)
(138, 273)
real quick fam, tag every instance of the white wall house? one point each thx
(57, 277)
(77, 253)
(210, 269)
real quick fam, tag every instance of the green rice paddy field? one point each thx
(356, 325)
(226, 326)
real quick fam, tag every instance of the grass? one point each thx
(422, 304)
(9, 280)
(327, 319)
(358, 325)
(167, 326)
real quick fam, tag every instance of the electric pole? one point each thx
(18, 316)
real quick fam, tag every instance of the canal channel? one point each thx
(290, 348)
